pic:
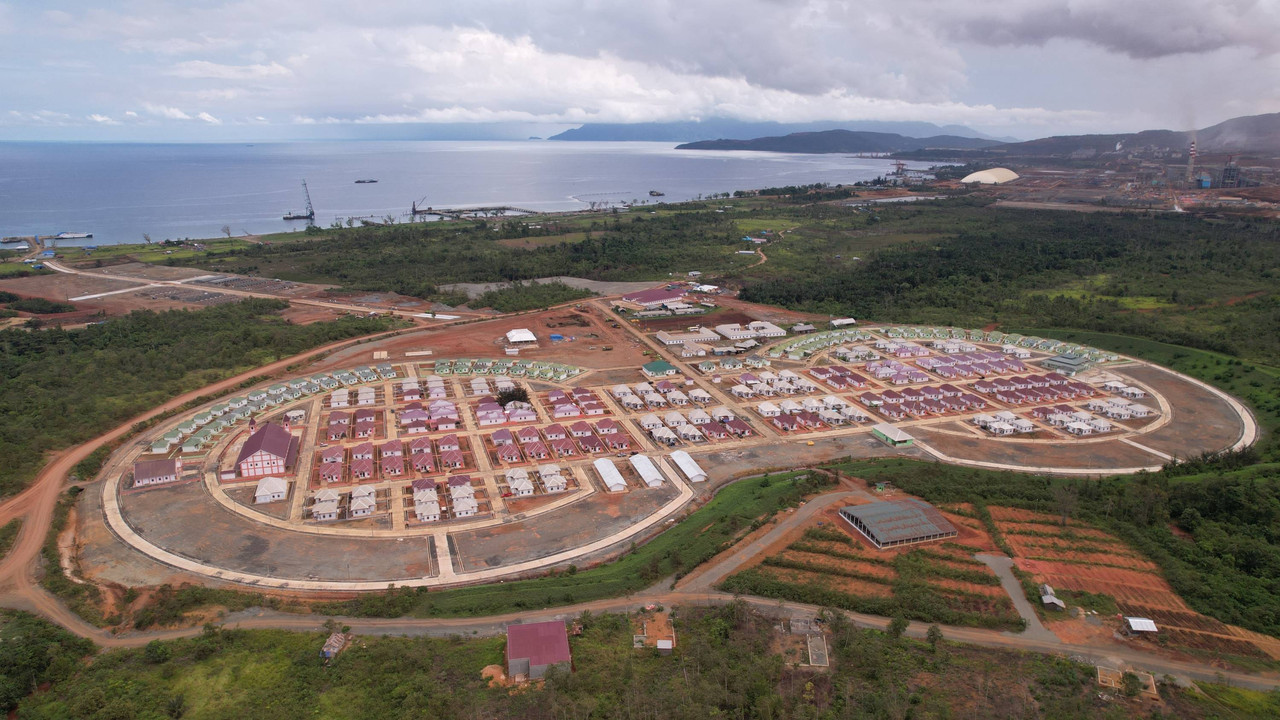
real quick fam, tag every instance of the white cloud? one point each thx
(1072, 65)
(103, 119)
(216, 71)
(169, 113)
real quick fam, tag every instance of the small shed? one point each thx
(1140, 625)
(334, 645)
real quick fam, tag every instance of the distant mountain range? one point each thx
(727, 129)
(1251, 134)
(844, 141)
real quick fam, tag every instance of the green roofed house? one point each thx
(898, 522)
(1067, 363)
(892, 436)
(658, 368)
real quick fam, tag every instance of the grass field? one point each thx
(153, 253)
(733, 512)
(20, 269)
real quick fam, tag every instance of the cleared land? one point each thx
(1083, 559)
(827, 562)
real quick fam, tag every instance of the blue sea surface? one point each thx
(119, 192)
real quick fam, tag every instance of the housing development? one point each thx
(504, 465)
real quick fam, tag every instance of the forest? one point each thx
(519, 296)
(1167, 277)
(413, 259)
(62, 387)
(729, 662)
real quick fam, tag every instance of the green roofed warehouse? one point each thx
(898, 522)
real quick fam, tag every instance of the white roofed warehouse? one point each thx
(648, 472)
(521, 336)
(688, 466)
(898, 522)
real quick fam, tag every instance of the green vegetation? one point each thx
(1228, 569)
(413, 259)
(80, 598)
(40, 306)
(734, 511)
(1101, 603)
(728, 663)
(1205, 284)
(529, 296)
(9, 535)
(9, 270)
(35, 652)
(168, 605)
(63, 387)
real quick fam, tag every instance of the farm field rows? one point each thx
(827, 562)
(1079, 558)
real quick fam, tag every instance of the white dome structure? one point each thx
(994, 176)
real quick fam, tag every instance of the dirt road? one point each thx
(35, 504)
(698, 592)
(141, 283)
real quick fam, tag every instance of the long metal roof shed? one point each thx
(688, 466)
(898, 522)
(609, 475)
(649, 472)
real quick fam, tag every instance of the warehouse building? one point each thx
(535, 648)
(892, 436)
(899, 522)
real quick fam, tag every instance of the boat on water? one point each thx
(365, 182)
(72, 236)
(656, 193)
(310, 214)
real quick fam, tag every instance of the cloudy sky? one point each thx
(213, 69)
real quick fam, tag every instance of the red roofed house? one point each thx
(422, 463)
(392, 465)
(534, 648)
(653, 298)
(267, 452)
(331, 472)
(154, 472)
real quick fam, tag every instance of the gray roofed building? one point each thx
(898, 522)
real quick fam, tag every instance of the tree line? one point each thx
(61, 387)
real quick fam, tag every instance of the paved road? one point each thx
(18, 590)
(1003, 567)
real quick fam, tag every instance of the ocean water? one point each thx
(118, 192)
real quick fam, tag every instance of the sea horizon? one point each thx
(121, 192)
